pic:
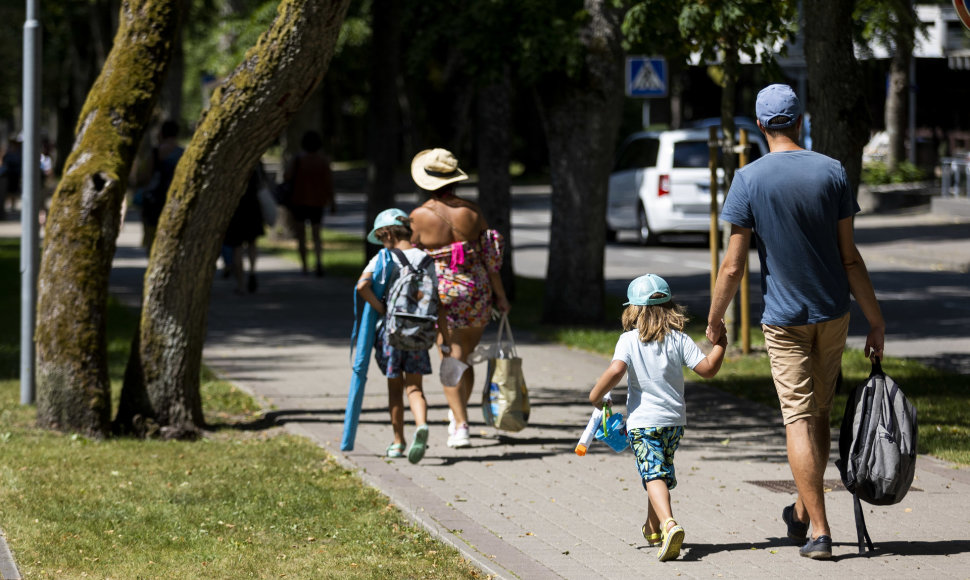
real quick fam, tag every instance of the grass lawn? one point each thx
(240, 503)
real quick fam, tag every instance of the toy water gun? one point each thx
(594, 422)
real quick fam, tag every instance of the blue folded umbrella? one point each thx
(362, 341)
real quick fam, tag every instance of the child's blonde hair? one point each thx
(654, 322)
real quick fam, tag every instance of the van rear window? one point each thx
(696, 154)
(691, 154)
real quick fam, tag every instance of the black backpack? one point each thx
(877, 446)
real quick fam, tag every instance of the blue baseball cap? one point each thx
(640, 292)
(388, 217)
(777, 101)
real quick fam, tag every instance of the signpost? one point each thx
(646, 78)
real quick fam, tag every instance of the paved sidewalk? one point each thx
(524, 505)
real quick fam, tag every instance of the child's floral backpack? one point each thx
(412, 305)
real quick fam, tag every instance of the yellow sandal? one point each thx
(654, 539)
(673, 538)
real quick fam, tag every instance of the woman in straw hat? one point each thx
(468, 257)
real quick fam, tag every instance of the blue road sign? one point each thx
(646, 77)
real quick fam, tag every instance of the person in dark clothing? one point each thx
(245, 226)
(158, 174)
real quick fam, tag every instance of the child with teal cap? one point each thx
(404, 369)
(651, 353)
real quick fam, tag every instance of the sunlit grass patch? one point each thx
(247, 500)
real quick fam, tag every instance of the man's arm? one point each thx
(728, 279)
(861, 288)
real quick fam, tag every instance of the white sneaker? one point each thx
(460, 438)
(451, 423)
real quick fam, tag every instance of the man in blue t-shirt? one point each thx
(801, 207)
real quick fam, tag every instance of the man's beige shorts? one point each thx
(805, 364)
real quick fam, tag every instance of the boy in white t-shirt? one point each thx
(404, 369)
(651, 352)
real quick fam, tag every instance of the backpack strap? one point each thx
(405, 263)
(860, 526)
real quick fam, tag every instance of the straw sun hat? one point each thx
(435, 168)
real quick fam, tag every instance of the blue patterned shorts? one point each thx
(654, 449)
(394, 362)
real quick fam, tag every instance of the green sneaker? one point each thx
(419, 444)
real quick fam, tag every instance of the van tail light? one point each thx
(663, 185)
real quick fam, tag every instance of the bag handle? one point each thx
(876, 368)
(503, 328)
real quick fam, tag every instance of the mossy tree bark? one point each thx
(247, 112)
(581, 116)
(73, 392)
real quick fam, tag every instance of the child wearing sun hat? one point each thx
(651, 352)
(404, 369)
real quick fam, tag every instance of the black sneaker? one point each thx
(818, 549)
(797, 531)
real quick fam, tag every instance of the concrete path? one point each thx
(523, 505)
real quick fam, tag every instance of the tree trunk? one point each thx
(170, 100)
(580, 116)
(732, 70)
(246, 114)
(494, 185)
(897, 112)
(384, 124)
(73, 392)
(840, 117)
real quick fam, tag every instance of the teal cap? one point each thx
(388, 217)
(641, 290)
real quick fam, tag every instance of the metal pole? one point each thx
(30, 190)
(712, 147)
(746, 276)
(912, 110)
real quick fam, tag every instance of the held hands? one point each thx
(722, 342)
(502, 303)
(717, 333)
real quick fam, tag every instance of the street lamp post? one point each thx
(30, 190)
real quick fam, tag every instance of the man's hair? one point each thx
(654, 322)
(394, 233)
(790, 132)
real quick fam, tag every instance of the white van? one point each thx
(661, 183)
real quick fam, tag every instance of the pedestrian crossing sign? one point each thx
(646, 77)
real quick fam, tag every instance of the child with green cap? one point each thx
(651, 353)
(404, 369)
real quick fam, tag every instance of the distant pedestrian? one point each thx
(800, 204)
(155, 177)
(311, 179)
(10, 170)
(651, 353)
(245, 226)
(468, 257)
(404, 369)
